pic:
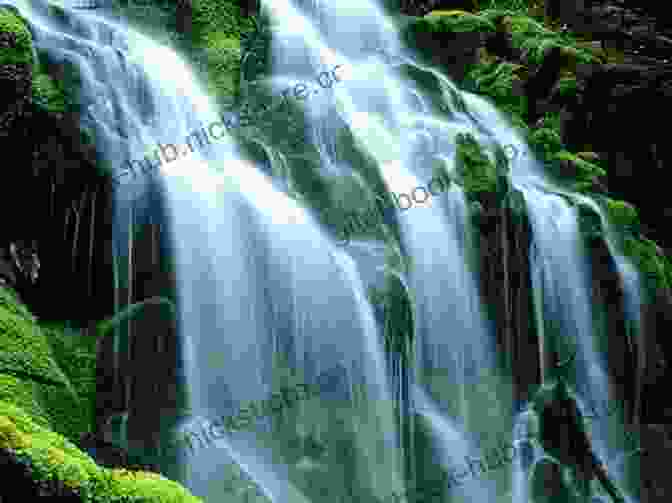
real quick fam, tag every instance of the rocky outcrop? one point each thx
(54, 169)
(19, 268)
(43, 411)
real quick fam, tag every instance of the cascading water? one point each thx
(380, 108)
(261, 283)
(561, 280)
(262, 291)
(268, 302)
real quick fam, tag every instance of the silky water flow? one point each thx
(267, 301)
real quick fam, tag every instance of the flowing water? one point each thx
(268, 301)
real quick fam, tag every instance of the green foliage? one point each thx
(39, 420)
(48, 93)
(24, 349)
(439, 21)
(477, 174)
(567, 87)
(9, 302)
(498, 81)
(217, 15)
(536, 39)
(583, 174)
(654, 266)
(56, 85)
(20, 51)
(30, 375)
(511, 5)
(76, 356)
(52, 456)
(223, 57)
(622, 215)
(545, 140)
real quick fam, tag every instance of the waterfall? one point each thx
(561, 280)
(268, 303)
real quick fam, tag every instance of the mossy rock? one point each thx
(536, 39)
(51, 456)
(217, 15)
(20, 44)
(442, 21)
(584, 174)
(545, 140)
(75, 353)
(30, 377)
(223, 56)
(500, 81)
(477, 174)
(41, 415)
(48, 93)
(23, 347)
(653, 265)
(567, 87)
(216, 31)
(622, 215)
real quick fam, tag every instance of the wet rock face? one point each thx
(26, 261)
(19, 266)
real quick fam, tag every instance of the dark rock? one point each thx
(103, 452)
(569, 12)
(610, 96)
(500, 43)
(22, 487)
(7, 274)
(19, 267)
(109, 455)
(538, 86)
(454, 52)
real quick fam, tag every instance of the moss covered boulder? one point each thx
(15, 39)
(52, 457)
(216, 33)
(42, 414)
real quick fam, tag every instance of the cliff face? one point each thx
(571, 95)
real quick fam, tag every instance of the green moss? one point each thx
(31, 377)
(23, 348)
(441, 21)
(584, 175)
(48, 93)
(536, 39)
(545, 140)
(499, 81)
(217, 16)
(477, 174)
(75, 354)
(223, 56)
(216, 29)
(622, 215)
(51, 456)
(25, 393)
(20, 51)
(9, 302)
(655, 267)
(41, 415)
(567, 87)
